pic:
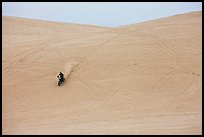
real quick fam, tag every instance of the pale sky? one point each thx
(110, 14)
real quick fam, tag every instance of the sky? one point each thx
(109, 14)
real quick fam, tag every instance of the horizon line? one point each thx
(93, 25)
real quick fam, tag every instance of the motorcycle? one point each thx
(61, 80)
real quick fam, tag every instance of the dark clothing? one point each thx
(62, 79)
(61, 76)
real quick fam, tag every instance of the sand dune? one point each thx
(142, 78)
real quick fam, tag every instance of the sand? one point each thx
(143, 78)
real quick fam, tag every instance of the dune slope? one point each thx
(143, 78)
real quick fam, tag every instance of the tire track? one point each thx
(49, 51)
(180, 90)
(194, 86)
(104, 101)
(157, 40)
(98, 99)
(53, 99)
(24, 43)
(55, 40)
(188, 40)
(26, 94)
(97, 94)
(190, 89)
(160, 79)
(44, 45)
(177, 89)
(25, 51)
(151, 53)
(164, 76)
(22, 68)
(161, 43)
(122, 87)
(94, 50)
(31, 49)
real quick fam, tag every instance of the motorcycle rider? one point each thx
(61, 77)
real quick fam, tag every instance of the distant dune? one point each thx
(143, 78)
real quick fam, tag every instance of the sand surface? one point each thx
(142, 78)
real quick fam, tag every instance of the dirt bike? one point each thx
(61, 80)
